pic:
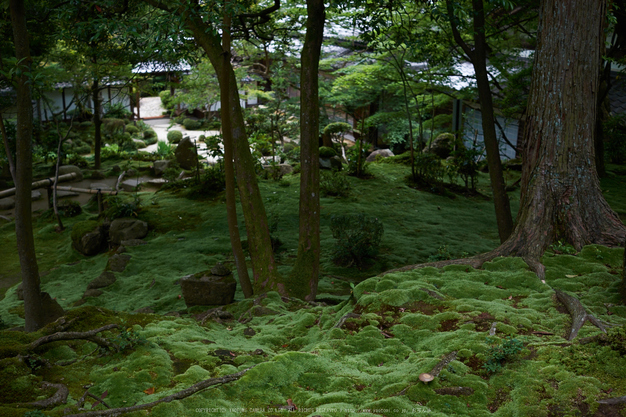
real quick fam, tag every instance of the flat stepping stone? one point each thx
(7, 203)
(130, 185)
(157, 182)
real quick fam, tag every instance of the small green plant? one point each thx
(132, 129)
(164, 150)
(616, 338)
(561, 247)
(70, 208)
(174, 136)
(110, 151)
(357, 166)
(35, 413)
(358, 238)
(443, 254)
(501, 352)
(327, 152)
(118, 208)
(129, 339)
(334, 183)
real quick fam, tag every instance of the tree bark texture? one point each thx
(561, 196)
(305, 273)
(34, 313)
(97, 121)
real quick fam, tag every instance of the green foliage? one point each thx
(334, 183)
(429, 169)
(129, 339)
(501, 352)
(357, 166)
(112, 126)
(562, 247)
(132, 129)
(174, 136)
(166, 99)
(615, 135)
(116, 111)
(118, 207)
(443, 254)
(465, 164)
(191, 124)
(337, 129)
(212, 182)
(261, 144)
(164, 150)
(109, 151)
(70, 208)
(358, 238)
(150, 137)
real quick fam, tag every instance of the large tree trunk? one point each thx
(561, 196)
(304, 276)
(97, 121)
(34, 312)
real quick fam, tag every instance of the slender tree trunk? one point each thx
(34, 313)
(478, 57)
(560, 196)
(231, 207)
(97, 121)
(305, 274)
(259, 243)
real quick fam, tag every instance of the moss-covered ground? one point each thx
(402, 324)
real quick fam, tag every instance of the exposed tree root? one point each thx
(443, 363)
(59, 397)
(343, 320)
(90, 335)
(578, 313)
(613, 401)
(176, 396)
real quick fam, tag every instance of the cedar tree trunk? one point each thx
(561, 196)
(304, 276)
(97, 121)
(34, 311)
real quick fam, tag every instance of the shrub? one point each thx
(166, 99)
(117, 111)
(109, 151)
(358, 238)
(140, 144)
(327, 152)
(191, 124)
(616, 338)
(293, 154)
(118, 208)
(150, 140)
(164, 150)
(132, 129)
(111, 126)
(212, 182)
(81, 228)
(149, 133)
(82, 149)
(615, 135)
(70, 208)
(334, 183)
(357, 166)
(86, 124)
(174, 136)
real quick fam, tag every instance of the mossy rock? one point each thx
(327, 152)
(88, 237)
(132, 129)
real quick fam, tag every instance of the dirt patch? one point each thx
(483, 321)
(501, 396)
(448, 325)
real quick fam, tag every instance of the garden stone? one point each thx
(204, 289)
(325, 163)
(117, 263)
(131, 172)
(379, 154)
(66, 194)
(68, 169)
(35, 195)
(92, 293)
(159, 167)
(97, 175)
(145, 310)
(281, 169)
(335, 163)
(130, 185)
(127, 229)
(442, 146)
(157, 182)
(186, 154)
(7, 203)
(88, 237)
(104, 280)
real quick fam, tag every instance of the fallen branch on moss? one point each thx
(59, 397)
(343, 320)
(89, 335)
(456, 391)
(443, 363)
(176, 396)
(578, 313)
